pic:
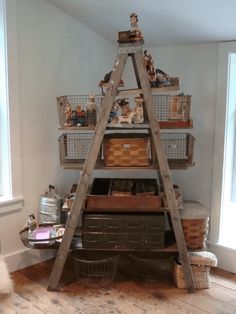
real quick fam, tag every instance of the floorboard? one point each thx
(129, 293)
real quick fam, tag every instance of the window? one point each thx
(5, 172)
(223, 209)
(227, 233)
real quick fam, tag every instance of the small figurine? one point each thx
(135, 33)
(113, 118)
(138, 117)
(81, 115)
(104, 83)
(157, 77)
(91, 103)
(126, 112)
(124, 105)
(91, 110)
(162, 79)
(128, 119)
(31, 224)
(68, 114)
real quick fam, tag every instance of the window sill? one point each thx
(9, 204)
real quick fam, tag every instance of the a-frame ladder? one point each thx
(135, 51)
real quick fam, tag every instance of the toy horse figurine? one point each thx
(128, 119)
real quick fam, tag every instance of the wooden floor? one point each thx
(127, 295)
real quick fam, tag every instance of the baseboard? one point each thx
(27, 257)
(226, 256)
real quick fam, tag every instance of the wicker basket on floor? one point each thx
(201, 263)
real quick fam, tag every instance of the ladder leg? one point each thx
(165, 172)
(87, 171)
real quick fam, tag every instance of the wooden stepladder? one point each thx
(136, 53)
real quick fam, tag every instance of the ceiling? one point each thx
(162, 22)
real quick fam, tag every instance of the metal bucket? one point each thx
(50, 209)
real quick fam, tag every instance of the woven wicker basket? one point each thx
(194, 219)
(195, 232)
(120, 151)
(201, 263)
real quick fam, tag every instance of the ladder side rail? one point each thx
(87, 171)
(165, 172)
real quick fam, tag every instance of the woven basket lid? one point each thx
(194, 210)
(203, 258)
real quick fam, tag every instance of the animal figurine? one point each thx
(128, 119)
(68, 114)
(162, 79)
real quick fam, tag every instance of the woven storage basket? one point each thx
(195, 232)
(194, 220)
(122, 150)
(201, 263)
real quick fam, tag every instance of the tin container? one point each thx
(50, 209)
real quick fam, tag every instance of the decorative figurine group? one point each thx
(127, 115)
(132, 35)
(80, 117)
(157, 77)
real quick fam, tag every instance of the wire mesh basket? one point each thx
(153, 265)
(73, 110)
(74, 147)
(171, 109)
(178, 149)
(94, 269)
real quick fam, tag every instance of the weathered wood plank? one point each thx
(123, 297)
(15, 304)
(203, 300)
(47, 302)
(85, 177)
(164, 171)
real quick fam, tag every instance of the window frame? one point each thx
(226, 255)
(12, 200)
(5, 160)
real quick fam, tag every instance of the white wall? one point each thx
(56, 56)
(196, 67)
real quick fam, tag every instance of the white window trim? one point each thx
(13, 200)
(5, 172)
(11, 204)
(218, 163)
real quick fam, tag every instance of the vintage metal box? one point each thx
(123, 231)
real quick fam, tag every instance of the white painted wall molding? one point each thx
(27, 257)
